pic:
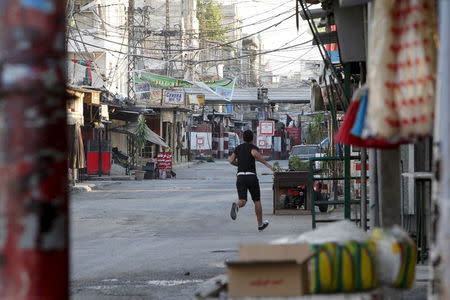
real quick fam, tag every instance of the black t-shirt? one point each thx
(245, 159)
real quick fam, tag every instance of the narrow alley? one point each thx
(130, 130)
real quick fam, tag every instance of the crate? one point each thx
(288, 180)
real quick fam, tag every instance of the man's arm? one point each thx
(261, 159)
(232, 159)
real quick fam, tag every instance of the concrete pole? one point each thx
(443, 237)
(374, 216)
(389, 187)
(374, 219)
(33, 151)
(364, 188)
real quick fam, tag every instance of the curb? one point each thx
(111, 178)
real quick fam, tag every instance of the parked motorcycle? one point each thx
(295, 198)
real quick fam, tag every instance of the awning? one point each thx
(150, 136)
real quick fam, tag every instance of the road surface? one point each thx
(159, 239)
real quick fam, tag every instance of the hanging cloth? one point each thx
(402, 69)
(360, 121)
(354, 130)
(344, 135)
(76, 155)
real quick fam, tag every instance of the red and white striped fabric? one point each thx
(402, 69)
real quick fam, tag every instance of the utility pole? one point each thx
(131, 51)
(181, 50)
(167, 40)
(33, 153)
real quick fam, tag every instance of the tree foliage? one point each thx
(315, 130)
(140, 133)
(298, 164)
(209, 15)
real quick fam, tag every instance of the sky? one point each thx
(270, 12)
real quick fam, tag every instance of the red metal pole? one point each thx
(33, 164)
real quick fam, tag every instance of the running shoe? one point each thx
(263, 226)
(234, 211)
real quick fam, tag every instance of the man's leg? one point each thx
(259, 216)
(256, 196)
(242, 193)
(258, 212)
(241, 203)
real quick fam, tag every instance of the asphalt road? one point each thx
(159, 239)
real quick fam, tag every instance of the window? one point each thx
(148, 151)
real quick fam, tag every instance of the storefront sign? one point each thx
(264, 142)
(201, 140)
(266, 128)
(165, 161)
(142, 87)
(174, 98)
(197, 99)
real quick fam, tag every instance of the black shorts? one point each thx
(249, 183)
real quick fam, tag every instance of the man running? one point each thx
(244, 157)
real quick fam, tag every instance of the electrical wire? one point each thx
(203, 48)
(231, 30)
(226, 24)
(120, 52)
(256, 54)
(156, 49)
(213, 60)
(292, 61)
(118, 62)
(320, 45)
(86, 32)
(87, 59)
(328, 64)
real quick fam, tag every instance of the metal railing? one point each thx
(347, 202)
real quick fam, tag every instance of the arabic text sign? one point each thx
(165, 161)
(264, 142)
(222, 87)
(175, 98)
(266, 128)
(159, 81)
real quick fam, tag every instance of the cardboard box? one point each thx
(269, 271)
